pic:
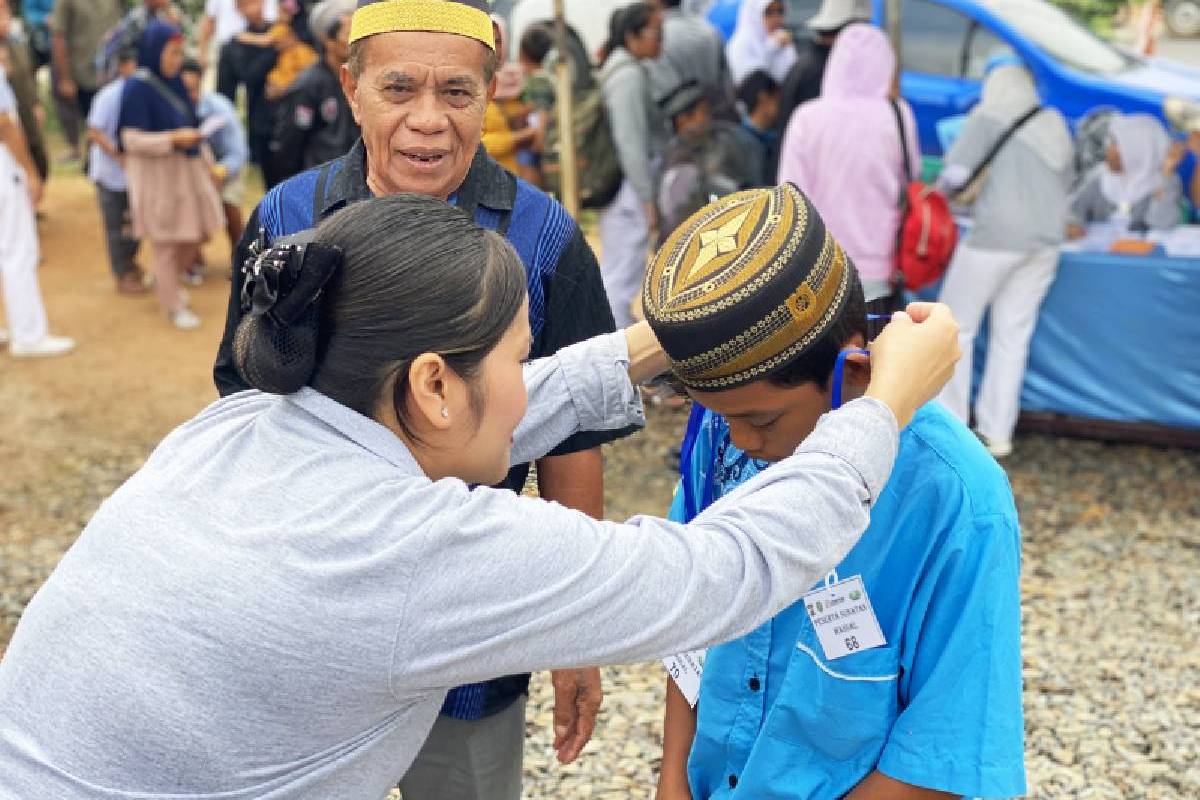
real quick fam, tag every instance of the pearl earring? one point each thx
(445, 413)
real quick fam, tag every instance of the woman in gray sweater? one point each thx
(635, 36)
(1136, 188)
(276, 603)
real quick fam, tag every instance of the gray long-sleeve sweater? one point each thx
(637, 124)
(275, 605)
(1154, 211)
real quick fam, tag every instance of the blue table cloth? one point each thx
(1118, 338)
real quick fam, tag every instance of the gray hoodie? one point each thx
(638, 128)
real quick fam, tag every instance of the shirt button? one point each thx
(755, 685)
(733, 781)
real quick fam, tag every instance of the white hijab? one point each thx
(751, 47)
(1143, 144)
(1008, 94)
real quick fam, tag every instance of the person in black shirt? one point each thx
(246, 63)
(313, 120)
(803, 81)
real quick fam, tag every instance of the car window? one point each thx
(800, 12)
(981, 47)
(932, 38)
(1061, 37)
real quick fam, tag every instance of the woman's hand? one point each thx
(185, 138)
(1075, 231)
(913, 358)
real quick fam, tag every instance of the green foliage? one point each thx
(1096, 14)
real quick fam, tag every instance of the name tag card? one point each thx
(686, 669)
(843, 618)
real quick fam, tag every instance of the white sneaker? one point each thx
(999, 448)
(46, 347)
(185, 320)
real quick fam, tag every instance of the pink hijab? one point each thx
(843, 150)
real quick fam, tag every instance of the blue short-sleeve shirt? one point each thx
(939, 706)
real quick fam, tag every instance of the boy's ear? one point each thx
(858, 370)
(858, 365)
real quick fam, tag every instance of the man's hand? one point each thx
(34, 183)
(577, 699)
(67, 88)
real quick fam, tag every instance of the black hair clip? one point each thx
(282, 280)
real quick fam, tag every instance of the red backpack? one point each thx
(928, 233)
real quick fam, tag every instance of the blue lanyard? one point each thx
(839, 368)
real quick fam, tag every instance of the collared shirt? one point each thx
(567, 302)
(274, 604)
(228, 142)
(104, 169)
(939, 705)
(228, 23)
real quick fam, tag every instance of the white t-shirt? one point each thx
(8, 101)
(229, 22)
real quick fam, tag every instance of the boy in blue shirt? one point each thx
(899, 676)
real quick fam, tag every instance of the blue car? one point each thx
(945, 45)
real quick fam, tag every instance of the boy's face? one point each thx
(767, 107)
(767, 421)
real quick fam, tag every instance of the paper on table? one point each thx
(686, 669)
(1179, 242)
(211, 125)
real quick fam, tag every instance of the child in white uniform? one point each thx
(20, 188)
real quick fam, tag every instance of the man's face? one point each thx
(251, 11)
(767, 421)
(697, 118)
(191, 82)
(420, 102)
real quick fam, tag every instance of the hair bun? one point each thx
(275, 344)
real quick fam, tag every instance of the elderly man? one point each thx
(418, 78)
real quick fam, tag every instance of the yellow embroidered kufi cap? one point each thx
(745, 286)
(463, 17)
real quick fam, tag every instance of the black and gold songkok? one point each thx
(463, 17)
(744, 287)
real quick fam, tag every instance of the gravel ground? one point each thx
(1111, 609)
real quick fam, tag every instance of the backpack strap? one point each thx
(1008, 134)
(319, 192)
(175, 101)
(908, 173)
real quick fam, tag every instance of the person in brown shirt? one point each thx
(77, 28)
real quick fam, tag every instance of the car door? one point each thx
(942, 56)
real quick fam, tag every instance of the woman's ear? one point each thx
(428, 385)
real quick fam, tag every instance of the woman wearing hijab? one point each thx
(1136, 188)
(172, 198)
(1008, 260)
(844, 151)
(760, 41)
(639, 133)
(276, 603)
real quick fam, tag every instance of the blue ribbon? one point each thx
(839, 368)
